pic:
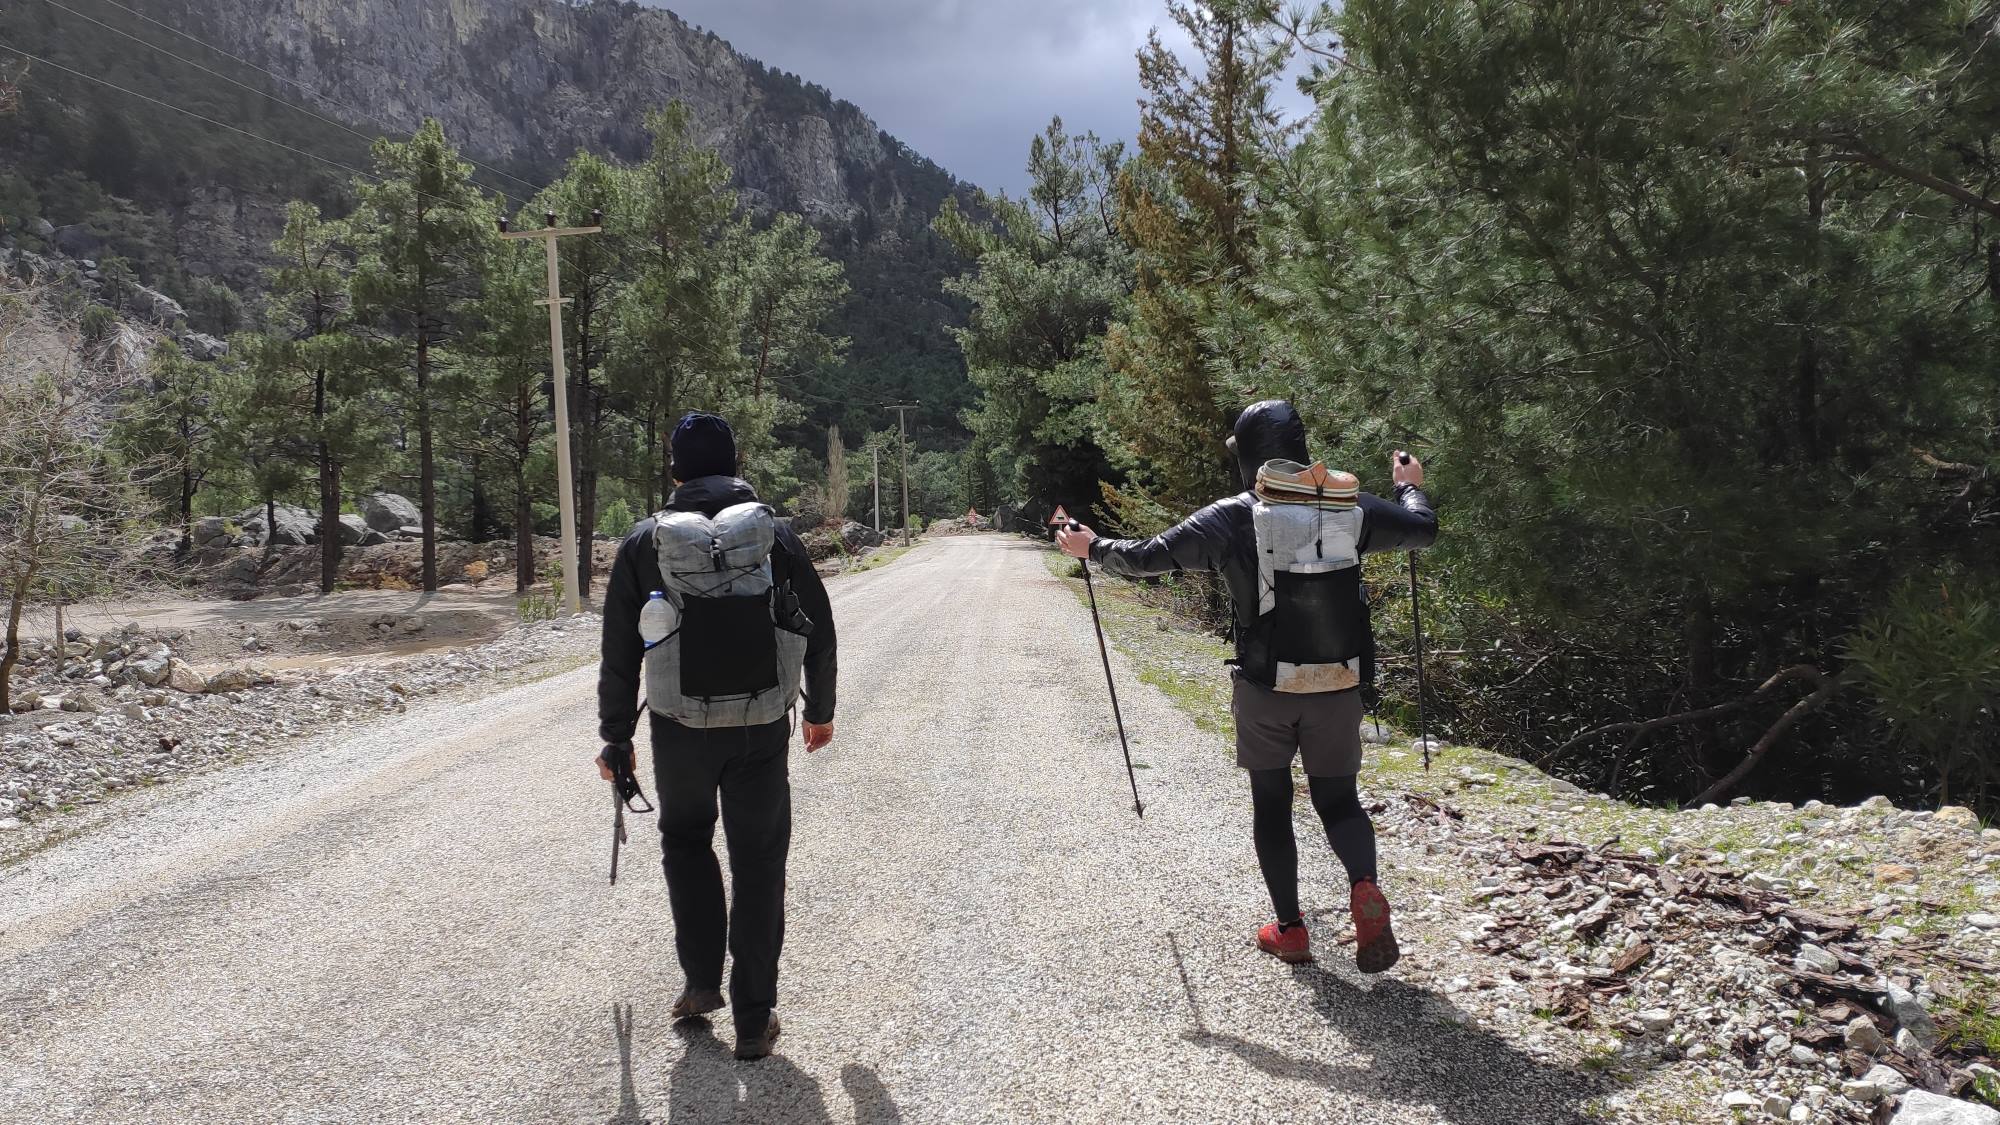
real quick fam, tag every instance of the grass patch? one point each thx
(882, 557)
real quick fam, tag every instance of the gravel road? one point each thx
(412, 923)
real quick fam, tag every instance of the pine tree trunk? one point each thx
(524, 512)
(666, 447)
(270, 523)
(652, 438)
(16, 602)
(1701, 675)
(427, 467)
(187, 511)
(329, 519)
(482, 514)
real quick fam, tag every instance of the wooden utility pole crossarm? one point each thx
(565, 490)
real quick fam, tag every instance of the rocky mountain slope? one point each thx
(146, 135)
(523, 83)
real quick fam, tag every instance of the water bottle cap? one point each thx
(656, 594)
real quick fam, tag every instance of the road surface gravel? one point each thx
(411, 922)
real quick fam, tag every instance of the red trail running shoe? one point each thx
(1374, 941)
(1290, 946)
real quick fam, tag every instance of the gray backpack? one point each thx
(736, 647)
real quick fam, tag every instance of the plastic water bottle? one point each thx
(656, 621)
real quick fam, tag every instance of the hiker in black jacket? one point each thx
(741, 628)
(1289, 549)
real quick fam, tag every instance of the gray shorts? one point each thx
(1323, 729)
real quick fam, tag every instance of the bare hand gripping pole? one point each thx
(1417, 627)
(1105, 654)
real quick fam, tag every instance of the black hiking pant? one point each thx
(747, 767)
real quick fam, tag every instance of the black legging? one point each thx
(1348, 829)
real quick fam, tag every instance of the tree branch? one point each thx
(1826, 687)
(1919, 177)
(1641, 728)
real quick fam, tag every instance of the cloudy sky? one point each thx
(964, 82)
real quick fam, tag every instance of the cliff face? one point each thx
(523, 83)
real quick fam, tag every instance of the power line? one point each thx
(292, 82)
(204, 118)
(207, 70)
(207, 120)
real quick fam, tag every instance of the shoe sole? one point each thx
(1381, 954)
(1288, 956)
(711, 1003)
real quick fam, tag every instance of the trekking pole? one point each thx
(1417, 627)
(1109, 686)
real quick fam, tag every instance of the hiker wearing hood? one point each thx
(1289, 549)
(716, 604)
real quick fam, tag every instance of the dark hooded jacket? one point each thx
(636, 573)
(1222, 538)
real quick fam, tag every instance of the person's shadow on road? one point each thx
(1417, 1055)
(704, 1085)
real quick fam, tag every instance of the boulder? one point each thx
(353, 529)
(372, 538)
(296, 527)
(78, 241)
(210, 531)
(1958, 816)
(155, 306)
(859, 537)
(184, 679)
(152, 671)
(230, 680)
(806, 521)
(1921, 1107)
(201, 346)
(388, 513)
(42, 229)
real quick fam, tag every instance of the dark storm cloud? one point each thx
(966, 84)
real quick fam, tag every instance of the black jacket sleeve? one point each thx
(634, 576)
(822, 666)
(1406, 523)
(1200, 542)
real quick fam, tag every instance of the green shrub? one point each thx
(98, 323)
(616, 519)
(1930, 659)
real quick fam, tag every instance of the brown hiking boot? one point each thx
(751, 1047)
(697, 1002)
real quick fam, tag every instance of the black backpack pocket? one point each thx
(728, 647)
(1319, 618)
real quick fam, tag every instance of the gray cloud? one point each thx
(965, 83)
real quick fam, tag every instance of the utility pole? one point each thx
(565, 490)
(878, 487)
(903, 434)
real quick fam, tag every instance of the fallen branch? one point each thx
(1639, 729)
(1825, 689)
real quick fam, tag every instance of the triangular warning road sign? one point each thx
(1060, 516)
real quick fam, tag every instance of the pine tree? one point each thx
(500, 395)
(680, 320)
(173, 428)
(1185, 207)
(308, 390)
(791, 290)
(1050, 273)
(425, 233)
